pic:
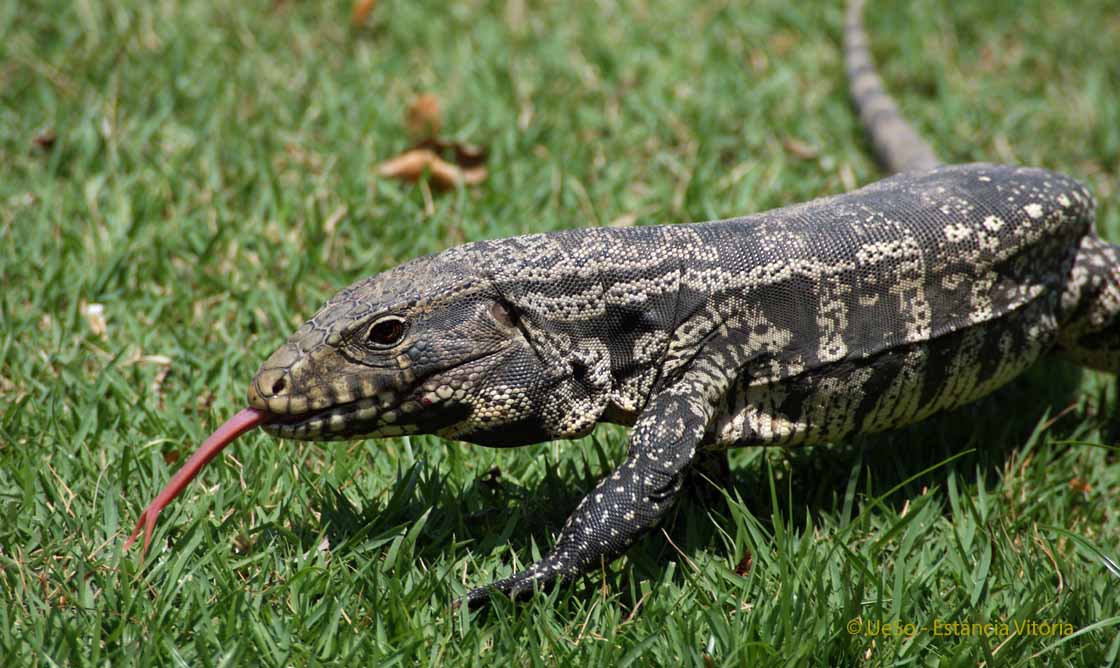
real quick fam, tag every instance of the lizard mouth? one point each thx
(422, 411)
(363, 417)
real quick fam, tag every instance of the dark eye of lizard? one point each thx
(386, 331)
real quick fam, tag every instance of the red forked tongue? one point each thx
(222, 436)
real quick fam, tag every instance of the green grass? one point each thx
(212, 183)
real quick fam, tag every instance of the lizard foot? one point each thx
(518, 587)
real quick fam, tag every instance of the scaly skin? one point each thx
(855, 313)
(849, 314)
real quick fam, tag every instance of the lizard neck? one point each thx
(598, 307)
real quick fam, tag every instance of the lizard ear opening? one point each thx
(503, 314)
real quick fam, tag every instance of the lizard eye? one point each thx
(387, 331)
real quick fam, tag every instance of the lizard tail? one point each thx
(898, 147)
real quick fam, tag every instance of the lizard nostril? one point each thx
(279, 385)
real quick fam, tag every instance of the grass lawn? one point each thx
(211, 181)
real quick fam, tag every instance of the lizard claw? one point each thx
(518, 587)
(477, 598)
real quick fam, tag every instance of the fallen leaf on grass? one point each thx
(361, 12)
(413, 164)
(1079, 485)
(466, 155)
(408, 165)
(800, 149)
(448, 164)
(424, 117)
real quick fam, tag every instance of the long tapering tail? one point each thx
(898, 147)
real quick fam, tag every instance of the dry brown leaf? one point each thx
(361, 12)
(408, 165)
(800, 149)
(447, 175)
(468, 155)
(411, 165)
(448, 164)
(424, 117)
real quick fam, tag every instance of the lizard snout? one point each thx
(272, 388)
(269, 390)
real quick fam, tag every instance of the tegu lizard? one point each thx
(844, 315)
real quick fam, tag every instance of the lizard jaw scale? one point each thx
(338, 421)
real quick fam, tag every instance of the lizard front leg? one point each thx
(632, 499)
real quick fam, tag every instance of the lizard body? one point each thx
(848, 314)
(798, 312)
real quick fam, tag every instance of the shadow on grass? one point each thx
(489, 514)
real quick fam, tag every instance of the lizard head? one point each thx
(427, 347)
